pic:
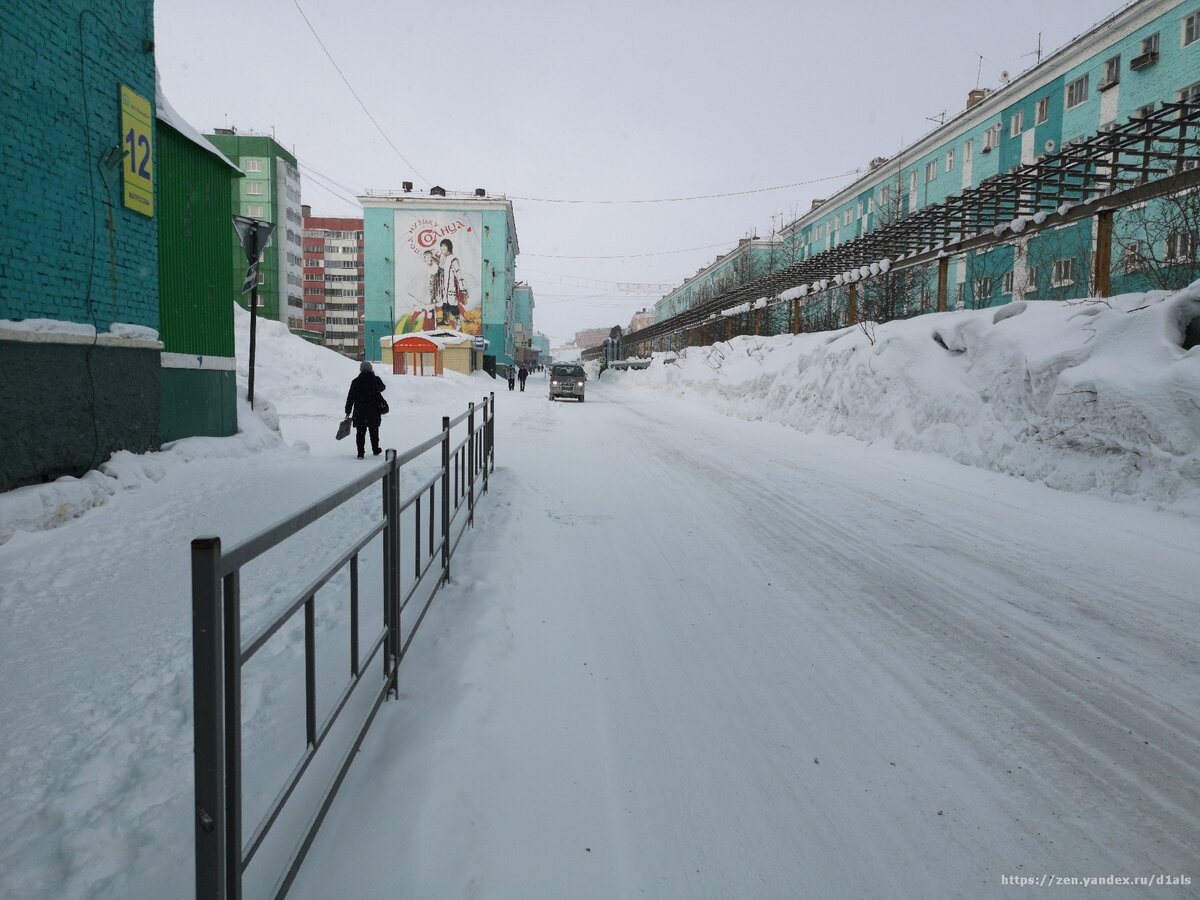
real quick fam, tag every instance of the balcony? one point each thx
(1147, 59)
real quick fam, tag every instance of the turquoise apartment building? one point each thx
(1145, 54)
(440, 260)
(523, 305)
(751, 259)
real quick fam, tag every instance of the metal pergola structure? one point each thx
(1150, 156)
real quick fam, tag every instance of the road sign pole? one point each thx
(253, 319)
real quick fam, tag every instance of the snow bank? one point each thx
(1089, 396)
(292, 377)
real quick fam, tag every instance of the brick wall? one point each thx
(60, 80)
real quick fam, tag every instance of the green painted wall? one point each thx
(197, 402)
(197, 287)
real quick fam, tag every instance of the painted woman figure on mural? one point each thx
(434, 272)
(452, 287)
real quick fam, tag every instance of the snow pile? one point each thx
(303, 380)
(1092, 396)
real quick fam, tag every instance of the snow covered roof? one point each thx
(167, 113)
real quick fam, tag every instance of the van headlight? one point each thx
(555, 383)
(579, 384)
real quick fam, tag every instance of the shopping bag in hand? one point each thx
(343, 428)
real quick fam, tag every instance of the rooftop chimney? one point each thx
(305, 210)
(407, 185)
(437, 191)
(976, 96)
(815, 204)
(480, 192)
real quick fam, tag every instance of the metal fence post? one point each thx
(389, 571)
(208, 697)
(391, 568)
(232, 640)
(471, 463)
(483, 442)
(492, 441)
(398, 575)
(445, 499)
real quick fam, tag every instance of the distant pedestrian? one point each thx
(511, 379)
(365, 401)
(523, 374)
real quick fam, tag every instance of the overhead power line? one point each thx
(349, 86)
(632, 255)
(324, 181)
(778, 187)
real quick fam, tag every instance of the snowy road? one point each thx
(687, 656)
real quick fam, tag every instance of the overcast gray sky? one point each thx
(597, 101)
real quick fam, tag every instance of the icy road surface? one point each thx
(686, 656)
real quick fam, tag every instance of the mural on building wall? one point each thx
(439, 261)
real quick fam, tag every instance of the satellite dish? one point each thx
(1004, 77)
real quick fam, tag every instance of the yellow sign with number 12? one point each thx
(137, 141)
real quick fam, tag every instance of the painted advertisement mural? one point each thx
(439, 263)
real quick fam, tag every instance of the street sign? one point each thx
(251, 278)
(254, 234)
(137, 140)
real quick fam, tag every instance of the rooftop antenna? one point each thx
(1037, 52)
(940, 118)
(979, 71)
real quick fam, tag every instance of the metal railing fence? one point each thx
(443, 507)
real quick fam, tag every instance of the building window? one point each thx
(949, 160)
(254, 210)
(254, 188)
(846, 217)
(930, 170)
(1112, 72)
(1190, 94)
(1042, 111)
(1148, 55)
(1006, 283)
(912, 184)
(968, 147)
(1031, 279)
(1144, 112)
(1181, 246)
(983, 288)
(885, 196)
(1131, 257)
(1016, 124)
(1063, 272)
(991, 137)
(1191, 29)
(253, 165)
(1077, 91)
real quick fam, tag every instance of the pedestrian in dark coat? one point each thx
(511, 379)
(523, 374)
(365, 402)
